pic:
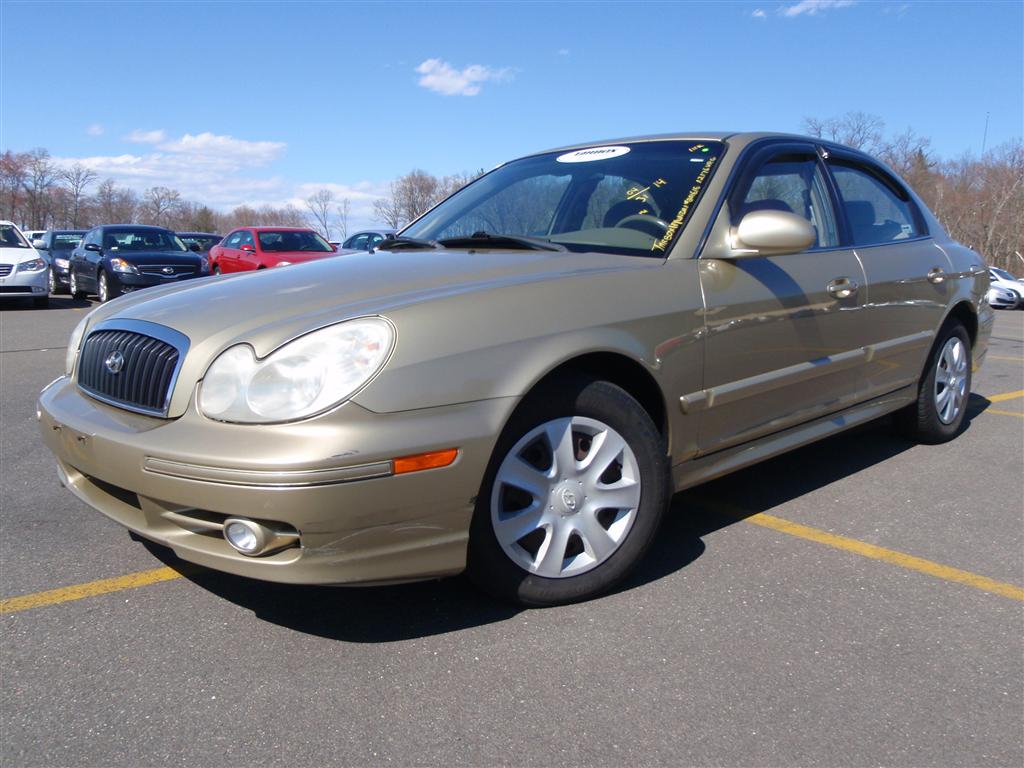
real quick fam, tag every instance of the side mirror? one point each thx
(248, 248)
(194, 247)
(92, 247)
(771, 233)
(39, 245)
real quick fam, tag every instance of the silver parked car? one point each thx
(24, 273)
(519, 382)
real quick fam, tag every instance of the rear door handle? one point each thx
(842, 287)
(936, 275)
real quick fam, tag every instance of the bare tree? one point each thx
(319, 205)
(161, 204)
(859, 130)
(343, 210)
(76, 180)
(40, 180)
(13, 174)
(387, 209)
(114, 205)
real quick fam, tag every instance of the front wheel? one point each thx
(106, 290)
(76, 292)
(938, 414)
(572, 497)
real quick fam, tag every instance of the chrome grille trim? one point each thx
(153, 354)
(6, 269)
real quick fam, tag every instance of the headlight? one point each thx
(120, 265)
(62, 263)
(73, 343)
(32, 265)
(204, 264)
(306, 376)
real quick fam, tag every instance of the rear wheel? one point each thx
(938, 414)
(572, 497)
(51, 282)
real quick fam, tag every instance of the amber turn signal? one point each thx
(420, 461)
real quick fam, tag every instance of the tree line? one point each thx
(980, 200)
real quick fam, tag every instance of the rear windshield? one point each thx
(65, 241)
(204, 243)
(11, 237)
(278, 242)
(623, 198)
(141, 240)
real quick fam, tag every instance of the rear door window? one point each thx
(876, 210)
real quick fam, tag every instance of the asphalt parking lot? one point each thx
(858, 602)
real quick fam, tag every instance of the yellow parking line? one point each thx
(89, 589)
(1005, 396)
(889, 556)
(1004, 413)
(1005, 357)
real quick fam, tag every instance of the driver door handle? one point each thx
(842, 288)
(936, 275)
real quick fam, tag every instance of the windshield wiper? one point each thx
(401, 241)
(482, 238)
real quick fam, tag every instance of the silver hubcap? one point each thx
(74, 283)
(103, 287)
(951, 380)
(53, 283)
(565, 497)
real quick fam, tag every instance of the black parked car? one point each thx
(56, 246)
(118, 258)
(203, 241)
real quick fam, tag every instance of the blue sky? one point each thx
(266, 102)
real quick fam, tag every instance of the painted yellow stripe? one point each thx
(1004, 413)
(89, 589)
(888, 556)
(1005, 357)
(1005, 396)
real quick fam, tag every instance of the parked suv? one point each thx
(120, 258)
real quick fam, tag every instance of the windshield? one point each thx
(1004, 274)
(141, 240)
(204, 243)
(11, 237)
(65, 241)
(287, 240)
(630, 198)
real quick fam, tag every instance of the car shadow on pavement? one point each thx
(402, 612)
(56, 302)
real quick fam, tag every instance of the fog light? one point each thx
(252, 538)
(245, 536)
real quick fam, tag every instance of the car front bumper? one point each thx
(174, 481)
(128, 282)
(24, 284)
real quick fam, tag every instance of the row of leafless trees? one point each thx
(980, 200)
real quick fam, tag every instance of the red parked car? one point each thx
(260, 247)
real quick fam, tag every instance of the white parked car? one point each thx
(24, 274)
(1002, 298)
(1000, 278)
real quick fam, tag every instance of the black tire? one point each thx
(105, 288)
(73, 287)
(41, 302)
(54, 286)
(921, 421)
(216, 269)
(492, 569)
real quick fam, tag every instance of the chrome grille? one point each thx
(161, 269)
(144, 378)
(6, 269)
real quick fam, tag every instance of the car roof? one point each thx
(133, 226)
(741, 138)
(197, 234)
(279, 229)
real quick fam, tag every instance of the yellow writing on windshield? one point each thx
(676, 224)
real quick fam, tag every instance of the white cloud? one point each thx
(226, 149)
(814, 7)
(759, 14)
(95, 130)
(441, 77)
(145, 137)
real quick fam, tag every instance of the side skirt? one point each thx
(700, 470)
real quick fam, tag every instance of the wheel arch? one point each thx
(964, 312)
(620, 370)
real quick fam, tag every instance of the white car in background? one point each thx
(1002, 298)
(24, 274)
(1000, 278)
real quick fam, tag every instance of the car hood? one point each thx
(17, 255)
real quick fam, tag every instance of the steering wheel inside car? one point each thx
(651, 225)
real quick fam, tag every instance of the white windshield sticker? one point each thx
(593, 153)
